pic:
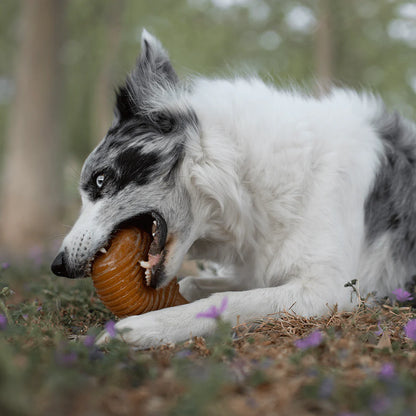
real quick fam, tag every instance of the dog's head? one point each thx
(131, 176)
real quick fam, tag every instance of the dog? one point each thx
(291, 195)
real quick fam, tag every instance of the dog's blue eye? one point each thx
(100, 181)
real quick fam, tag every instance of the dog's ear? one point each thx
(154, 63)
(125, 107)
(153, 72)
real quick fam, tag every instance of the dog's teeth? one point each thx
(145, 264)
(103, 250)
(148, 277)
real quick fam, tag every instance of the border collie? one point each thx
(291, 195)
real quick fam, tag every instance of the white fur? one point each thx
(278, 182)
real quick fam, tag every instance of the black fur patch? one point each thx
(391, 205)
(133, 165)
(124, 107)
(139, 125)
(137, 150)
(127, 131)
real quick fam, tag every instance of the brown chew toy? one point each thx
(119, 279)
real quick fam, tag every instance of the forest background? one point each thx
(61, 60)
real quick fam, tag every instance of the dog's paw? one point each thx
(143, 331)
(165, 326)
(190, 290)
(200, 287)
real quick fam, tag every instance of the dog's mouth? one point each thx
(153, 224)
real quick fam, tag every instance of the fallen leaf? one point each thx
(384, 342)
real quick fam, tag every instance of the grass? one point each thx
(361, 363)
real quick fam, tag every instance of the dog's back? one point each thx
(315, 178)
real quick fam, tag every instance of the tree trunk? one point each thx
(102, 112)
(31, 183)
(323, 49)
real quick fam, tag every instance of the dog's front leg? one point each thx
(165, 326)
(307, 297)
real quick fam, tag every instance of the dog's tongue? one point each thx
(154, 259)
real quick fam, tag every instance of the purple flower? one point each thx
(66, 358)
(387, 371)
(326, 388)
(348, 414)
(36, 255)
(410, 329)
(312, 340)
(5, 265)
(89, 341)
(251, 402)
(110, 327)
(183, 354)
(380, 404)
(213, 312)
(379, 331)
(402, 295)
(3, 322)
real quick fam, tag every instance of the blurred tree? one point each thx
(31, 181)
(102, 101)
(323, 54)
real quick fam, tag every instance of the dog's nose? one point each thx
(58, 266)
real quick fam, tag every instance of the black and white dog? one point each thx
(292, 196)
